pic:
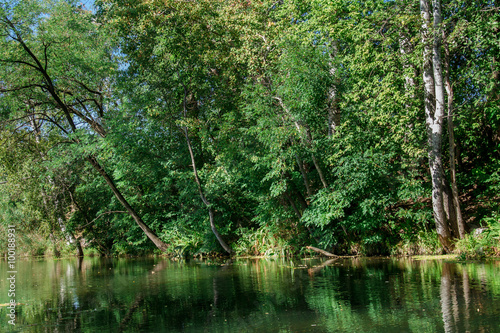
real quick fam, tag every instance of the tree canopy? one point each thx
(249, 127)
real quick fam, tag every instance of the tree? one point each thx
(56, 65)
(434, 111)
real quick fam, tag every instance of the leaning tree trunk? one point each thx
(149, 233)
(304, 175)
(204, 199)
(308, 142)
(198, 183)
(69, 111)
(315, 161)
(434, 112)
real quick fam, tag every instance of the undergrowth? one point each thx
(484, 242)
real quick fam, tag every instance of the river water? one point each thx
(252, 295)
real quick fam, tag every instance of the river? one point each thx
(252, 295)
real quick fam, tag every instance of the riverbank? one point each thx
(474, 246)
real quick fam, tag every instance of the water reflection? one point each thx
(465, 301)
(158, 295)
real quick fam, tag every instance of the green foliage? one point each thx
(423, 243)
(183, 242)
(484, 242)
(264, 242)
(305, 120)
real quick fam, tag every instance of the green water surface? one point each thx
(252, 295)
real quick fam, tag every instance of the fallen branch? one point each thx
(323, 252)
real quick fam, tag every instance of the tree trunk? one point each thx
(295, 209)
(198, 183)
(149, 233)
(70, 237)
(304, 175)
(451, 138)
(332, 100)
(53, 239)
(303, 205)
(434, 112)
(58, 213)
(79, 249)
(293, 189)
(69, 112)
(449, 208)
(308, 142)
(316, 164)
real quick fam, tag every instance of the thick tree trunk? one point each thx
(434, 111)
(79, 249)
(451, 138)
(449, 208)
(454, 188)
(149, 233)
(437, 128)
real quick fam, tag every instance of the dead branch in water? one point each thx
(323, 252)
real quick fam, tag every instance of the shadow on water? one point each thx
(249, 295)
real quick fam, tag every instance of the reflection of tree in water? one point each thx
(139, 298)
(203, 297)
(467, 298)
(154, 295)
(449, 301)
(405, 296)
(353, 296)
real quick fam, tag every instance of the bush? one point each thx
(261, 241)
(424, 243)
(482, 242)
